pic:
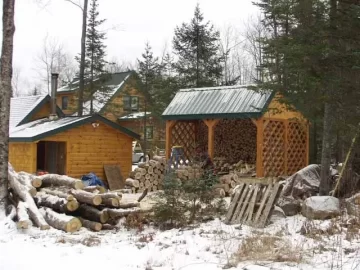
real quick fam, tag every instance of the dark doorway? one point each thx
(51, 157)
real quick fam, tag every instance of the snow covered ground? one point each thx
(209, 246)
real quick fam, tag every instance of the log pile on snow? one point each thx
(64, 203)
(149, 175)
(241, 168)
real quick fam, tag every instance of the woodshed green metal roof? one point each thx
(238, 101)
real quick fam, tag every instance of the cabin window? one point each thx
(64, 102)
(131, 103)
(149, 132)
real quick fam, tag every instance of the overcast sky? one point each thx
(136, 21)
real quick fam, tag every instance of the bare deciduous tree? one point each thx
(5, 94)
(54, 58)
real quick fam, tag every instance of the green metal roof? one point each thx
(238, 101)
(42, 128)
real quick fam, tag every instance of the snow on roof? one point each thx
(101, 98)
(20, 107)
(42, 126)
(135, 115)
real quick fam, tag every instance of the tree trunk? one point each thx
(58, 204)
(82, 61)
(325, 181)
(5, 94)
(92, 225)
(86, 197)
(58, 193)
(24, 195)
(60, 180)
(93, 214)
(61, 221)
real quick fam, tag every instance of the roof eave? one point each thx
(213, 116)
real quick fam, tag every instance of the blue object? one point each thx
(91, 179)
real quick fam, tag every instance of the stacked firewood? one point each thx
(149, 175)
(64, 203)
(241, 168)
(185, 173)
(226, 184)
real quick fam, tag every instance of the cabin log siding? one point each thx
(22, 156)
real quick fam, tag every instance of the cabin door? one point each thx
(51, 157)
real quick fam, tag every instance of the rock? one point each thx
(353, 205)
(303, 184)
(277, 214)
(321, 207)
(290, 206)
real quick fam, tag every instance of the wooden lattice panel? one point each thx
(296, 150)
(274, 148)
(183, 134)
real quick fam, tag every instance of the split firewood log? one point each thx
(132, 182)
(143, 165)
(93, 214)
(58, 204)
(60, 180)
(159, 159)
(86, 197)
(219, 192)
(61, 221)
(24, 195)
(92, 225)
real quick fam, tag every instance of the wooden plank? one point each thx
(114, 177)
(233, 204)
(252, 204)
(262, 205)
(245, 204)
(275, 194)
(238, 207)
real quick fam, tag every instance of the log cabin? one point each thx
(238, 123)
(42, 138)
(123, 103)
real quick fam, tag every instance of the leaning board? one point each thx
(252, 203)
(114, 177)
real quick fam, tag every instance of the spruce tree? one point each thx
(311, 57)
(196, 46)
(95, 54)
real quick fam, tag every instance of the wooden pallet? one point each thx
(252, 203)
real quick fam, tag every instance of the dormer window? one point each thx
(131, 103)
(64, 102)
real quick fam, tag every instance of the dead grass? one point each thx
(266, 247)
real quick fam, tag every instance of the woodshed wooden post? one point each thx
(286, 137)
(168, 137)
(259, 147)
(211, 136)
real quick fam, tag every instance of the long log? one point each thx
(132, 182)
(56, 203)
(113, 202)
(92, 225)
(93, 214)
(118, 213)
(24, 221)
(129, 204)
(30, 179)
(61, 221)
(24, 195)
(25, 181)
(86, 197)
(95, 189)
(60, 180)
(58, 193)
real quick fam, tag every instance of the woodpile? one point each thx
(64, 203)
(148, 176)
(241, 168)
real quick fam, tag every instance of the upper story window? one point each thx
(131, 103)
(64, 102)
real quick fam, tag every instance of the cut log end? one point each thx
(72, 205)
(36, 182)
(73, 225)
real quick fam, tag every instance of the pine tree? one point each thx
(149, 72)
(197, 47)
(311, 57)
(95, 70)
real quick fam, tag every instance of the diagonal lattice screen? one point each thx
(296, 150)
